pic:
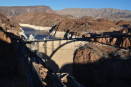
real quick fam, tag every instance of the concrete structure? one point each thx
(61, 53)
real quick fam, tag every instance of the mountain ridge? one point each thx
(108, 13)
(17, 10)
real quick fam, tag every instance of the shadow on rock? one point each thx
(106, 72)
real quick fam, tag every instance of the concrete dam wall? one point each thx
(61, 53)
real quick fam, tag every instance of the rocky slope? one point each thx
(119, 41)
(12, 69)
(68, 22)
(110, 13)
(41, 19)
(101, 65)
(9, 25)
(17, 10)
(124, 42)
(104, 65)
(64, 23)
(87, 24)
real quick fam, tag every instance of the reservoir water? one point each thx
(38, 34)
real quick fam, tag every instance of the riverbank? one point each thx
(35, 27)
(57, 34)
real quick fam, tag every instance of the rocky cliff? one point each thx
(41, 19)
(87, 24)
(12, 67)
(124, 42)
(9, 25)
(14, 70)
(119, 41)
(101, 65)
(64, 23)
(17, 10)
(104, 65)
(67, 22)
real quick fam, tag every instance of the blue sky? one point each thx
(61, 4)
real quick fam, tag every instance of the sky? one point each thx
(62, 4)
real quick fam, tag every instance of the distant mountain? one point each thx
(17, 10)
(68, 22)
(110, 13)
(41, 19)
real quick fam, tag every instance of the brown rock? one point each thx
(8, 24)
(4, 37)
(94, 64)
(126, 42)
(113, 41)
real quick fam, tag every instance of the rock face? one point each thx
(9, 25)
(40, 19)
(64, 23)
(126, 42)
(87, 24)
(17, 10)
(110, 13)
(100, 65)
(4, 37)
(11, 68)
(104, 65)
(119, 41)
(92, 52)
(14, 69)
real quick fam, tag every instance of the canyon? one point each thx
(93, 61)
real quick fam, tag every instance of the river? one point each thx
(39, 34)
